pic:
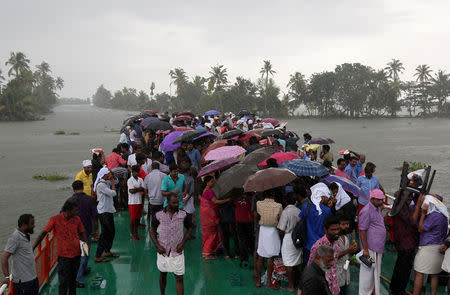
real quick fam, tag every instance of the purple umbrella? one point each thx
(217, 165)
(320, 140)
(205, 134)
(147, 121)
(225, 152)
(272, 121)
(211, 113)
(167, 144)
(347, 184)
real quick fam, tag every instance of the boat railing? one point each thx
(45, 259)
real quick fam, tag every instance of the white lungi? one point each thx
(428, 259)
(268, 241)
(171, 264)
(292, 256)
(369, 278)
(446, 262)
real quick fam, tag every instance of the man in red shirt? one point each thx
(68, 231)
(244, 226)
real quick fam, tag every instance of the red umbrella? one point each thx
(182, 118)
(280, 157)
(272, 121)
(151, 112)
(181, 128)
(186, 113)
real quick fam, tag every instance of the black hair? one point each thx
(24, 219)
(370, 167)
(147, 150)
(329, 221)
(253, 140)
(347, 157)
(271, 162)
(155, 165)
(332, 186)
(136, 168)
(77, 185)
(140, 157)
(173, 166)
(69, 205)
(186, 159)
(290, 198)
(340, 160)
(326, 147)
(207, 179)
(353, 158)
(300, 189)
(307, 136)
(186, 169)
(156, 155)
(327, 164)
(341, 216)
(138, 147)
(124, 145)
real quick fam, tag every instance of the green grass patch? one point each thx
(112, 130)
(59, 132)
(50, 177)
(74, 133)
(364, 126)
(413, 166)
(2, 156)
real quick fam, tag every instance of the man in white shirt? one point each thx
(152, 186)
(132, 158)
(135, 188)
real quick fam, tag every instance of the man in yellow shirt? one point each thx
(85, 176)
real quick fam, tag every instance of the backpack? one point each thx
(298, 234)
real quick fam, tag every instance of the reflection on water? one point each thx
(27, 148)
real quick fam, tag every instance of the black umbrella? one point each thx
(159, 125)
(256, 157)
(271, 132)
(244, 113)
(320, 140)
(233, 179)
(231, 133)
(147, 121)
(189, 135)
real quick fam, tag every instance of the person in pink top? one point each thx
(340, 169)
(115, 160)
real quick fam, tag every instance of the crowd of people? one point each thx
(316, 228)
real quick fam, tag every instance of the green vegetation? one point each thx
(351, 90)
(62, 132)
(74, 133)
(413, 166)
(27, 94)
(50, 177)
(112, 130)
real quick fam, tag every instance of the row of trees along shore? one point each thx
(351, 90)
(26, 94)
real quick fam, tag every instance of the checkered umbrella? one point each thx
(305, 168)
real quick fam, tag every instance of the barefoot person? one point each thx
(167, 234)
(135, 186)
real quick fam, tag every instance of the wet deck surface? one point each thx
(135, 271)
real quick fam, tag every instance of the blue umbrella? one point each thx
(347, 184)
(305, 168)
(211, 113)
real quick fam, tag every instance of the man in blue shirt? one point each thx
(366, 183)
(352, 169)
(174, 182)
(193, 154)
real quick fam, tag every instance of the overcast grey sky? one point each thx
(131, 43)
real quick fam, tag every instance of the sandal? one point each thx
(100, 259)
(115, 255)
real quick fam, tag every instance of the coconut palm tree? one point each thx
(423, 73)
(441, 88)
(1, 80)
(266, 70)
(297, 87)
(394, 69)
(179, 78)
(152, 88)
(18, 62)
(59, 83)
(217, 80)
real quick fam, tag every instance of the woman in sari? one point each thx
(209, 216)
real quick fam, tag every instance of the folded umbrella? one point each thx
(271, 132)
(189, 135)
(217, 165)
(213, 146)
(212, 113)
(255, 157)
(167, 144)
(280, 157)
(233, 179)
(159, 125)
(321, 140)
(347, 184)
(225, 152)
(268, 178)
(305, 168)
(272, 121)
(231, 133)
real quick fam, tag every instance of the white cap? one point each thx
(87, 163)
(417, 172)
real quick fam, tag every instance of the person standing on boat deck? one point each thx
(325, 154)
(433, 228)
(135, 186)
(372, 233)
(366, 183)
(174, 183)
(292, 256)
(340, 171)
(313, 280)
(345, 249)
(194, 155)
(332, 229)
(152, 186)
(167, 234)
(19, 249)
(406, 240)
(85, 176)
(105, 189)
(318, 211)
(68, 230)
(269, 243)
(352, 169)
(87, 211)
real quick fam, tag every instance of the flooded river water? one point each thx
(28, 148)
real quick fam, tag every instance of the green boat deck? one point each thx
(135, 271)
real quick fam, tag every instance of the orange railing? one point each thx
(45, 258)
